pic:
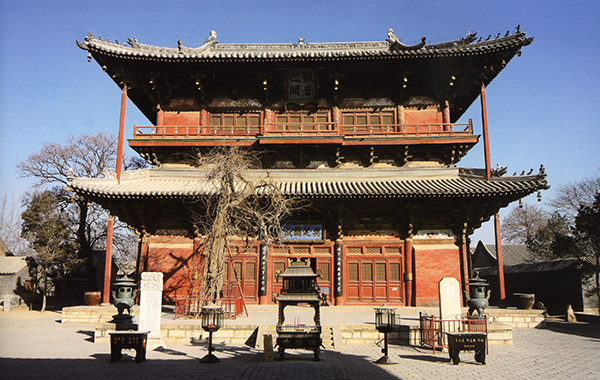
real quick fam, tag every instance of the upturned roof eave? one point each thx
(150, 183)
(213, 51)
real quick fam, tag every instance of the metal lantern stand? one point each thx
(385, 322)
(212, 320)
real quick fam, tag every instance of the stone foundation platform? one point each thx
(250, 330)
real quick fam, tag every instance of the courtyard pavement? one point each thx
(36, 345)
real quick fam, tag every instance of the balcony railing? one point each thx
(303, 129)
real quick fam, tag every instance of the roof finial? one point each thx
(391, 37)
(212, 37)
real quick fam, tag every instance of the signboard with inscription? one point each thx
(301, 85)
(303, 233)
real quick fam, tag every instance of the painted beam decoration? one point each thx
(305, 233)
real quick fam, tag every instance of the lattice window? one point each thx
(233, 119)
(354, 250)
(279, 267)
(324, 268)
(394, 272)
(353, 272)
(303, 121)
(373, 250)
(253, 249)
(367, 272)
(380, 272)
(250, 271)
(237, 267)
(301, 250)
(322, 251)
(281, 250)
(393, 250)
(365, 118)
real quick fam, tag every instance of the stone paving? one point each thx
(36, 345)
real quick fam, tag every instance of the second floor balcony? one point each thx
(305, 129)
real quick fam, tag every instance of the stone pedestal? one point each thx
(151, 287)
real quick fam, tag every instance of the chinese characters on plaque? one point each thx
(303, 232)
(301, 85)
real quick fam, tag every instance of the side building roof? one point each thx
(11, 265)
(485, 254)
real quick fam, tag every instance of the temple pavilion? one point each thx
(366, 133)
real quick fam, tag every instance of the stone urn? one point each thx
(92, 298)
(480, 295)
(524, 301)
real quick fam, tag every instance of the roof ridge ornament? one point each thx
(212, 38)
(209, 42)
(396, 45)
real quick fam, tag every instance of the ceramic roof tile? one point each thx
(190, 182)
(211, 49)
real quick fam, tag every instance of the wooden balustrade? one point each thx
(305, 129)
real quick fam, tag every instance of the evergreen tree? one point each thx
(46, 226)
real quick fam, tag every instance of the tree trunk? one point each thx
(85, 250)
(44, 292)
(598, 280)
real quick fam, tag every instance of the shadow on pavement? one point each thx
(581, 329)
(174, 364)
(90, 335)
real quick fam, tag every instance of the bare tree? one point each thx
(242, 203)
(523, 223)
(81, 156)
(10, 226)
(571, 197)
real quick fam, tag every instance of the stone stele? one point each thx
(151, 288)
(449, 289)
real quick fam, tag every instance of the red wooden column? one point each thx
(142, 259)
(108, 261)
(408, 271)
(498, 235)
(464, 264)
(110, 227)
(500, 263)
(121, 133)
(446, 116)
(486, 137)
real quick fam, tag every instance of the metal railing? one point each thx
(434, 329)
(232, 302)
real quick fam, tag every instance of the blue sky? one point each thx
(542, 109)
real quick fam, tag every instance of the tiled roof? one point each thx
(541, 266)
(511, 254)
(12, 265)
(439, 182)
(212, 50)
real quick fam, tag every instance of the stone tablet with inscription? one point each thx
(151, 288)
(449, 289)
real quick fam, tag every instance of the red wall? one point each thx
(173, 257)
(431, 265)
(429, 115)
(182, 118)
